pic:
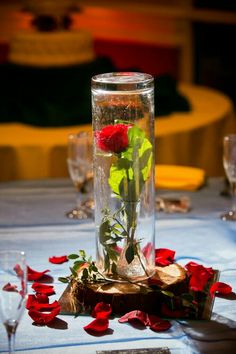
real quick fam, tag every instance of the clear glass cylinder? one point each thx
(123, 129)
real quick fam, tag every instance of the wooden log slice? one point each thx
(125, 297)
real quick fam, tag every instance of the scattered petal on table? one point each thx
(43, 318)
(157, 324)
(33, 303)
(35, 275)
(98, 325)
(135, 315)
(43, 288)
(9, 287)
(42, 298)
(58, 259)
(221, 288)
(102, 310)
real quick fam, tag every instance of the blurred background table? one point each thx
(193, 138)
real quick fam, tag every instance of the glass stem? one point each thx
(11, 343)
(233, 188)
(11, 330)
(78, 200)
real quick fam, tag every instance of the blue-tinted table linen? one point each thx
(32, 219)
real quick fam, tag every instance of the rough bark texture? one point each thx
(125, 297)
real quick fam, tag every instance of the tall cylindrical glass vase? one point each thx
(123, 126)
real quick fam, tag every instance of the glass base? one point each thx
(124, 280)
(89, 204)
(77, 214)
(230, 216)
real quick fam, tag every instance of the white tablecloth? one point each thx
(199, 236)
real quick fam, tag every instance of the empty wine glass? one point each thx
(80, 166)
(229, 162)
(13, 291)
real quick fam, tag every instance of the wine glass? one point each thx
(229, 162)
(80, 166)
(13, 291)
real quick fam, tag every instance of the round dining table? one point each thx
(191, 138)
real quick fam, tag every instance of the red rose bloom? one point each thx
(113, 138)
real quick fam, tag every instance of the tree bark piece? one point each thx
(125, 297)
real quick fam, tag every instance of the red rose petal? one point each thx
(157, 324)
(32, 303)
(34, 275)
(147, 250)
(58, 260)
(102, 310)
(135, 315)
(42, 298)
(19, 271)
(43, 289)
(117, 249)
(164, 256)
(44, 318)
(199, 275)
(221, 288)
(166, 312)
(98, 325)
(9, 287)
(47, 307)
(194, 267)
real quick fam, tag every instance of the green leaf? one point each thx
(130, 190)
(116, 226)
(116, 176)
(114, 268)
(111, 253)
(82, 253)
(77, 265)
(73, 272)
(117, 238)
(129, 254)
(94, 268)
(146, 161)
(167, 293)
(63, 280)
(187, 303)
(104, 231)
(85, 274)
(107, 263)
(135, 134)
(73, 256)
(187, 296)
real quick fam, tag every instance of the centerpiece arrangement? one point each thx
(130, 275)
(123, 118)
